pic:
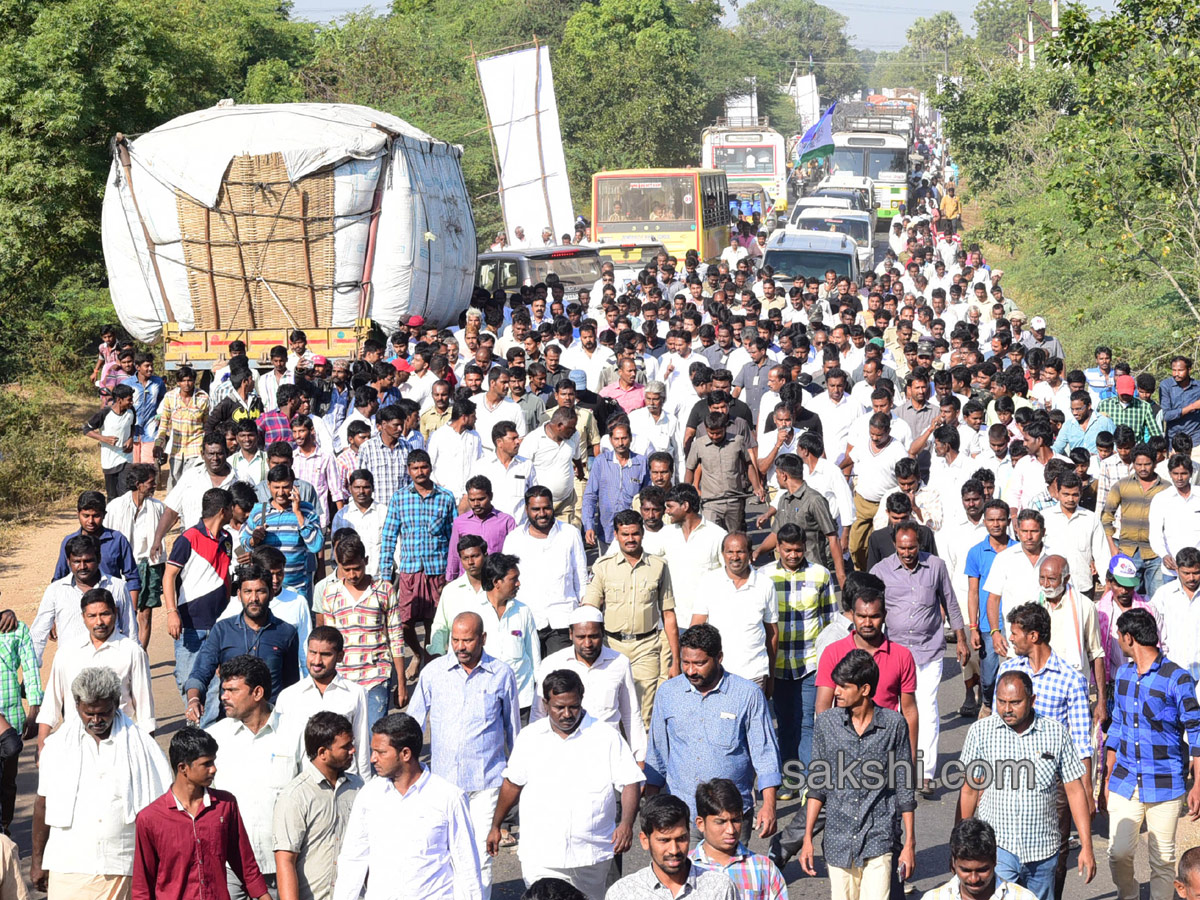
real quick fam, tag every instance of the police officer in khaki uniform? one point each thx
(633, 589)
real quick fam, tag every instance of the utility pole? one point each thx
(946, 53)
(1020, 52)
(1054, 17)
(1029, 19)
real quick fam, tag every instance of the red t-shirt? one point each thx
(897, 671)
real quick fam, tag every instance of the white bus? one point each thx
(881, 156)
(750, 156)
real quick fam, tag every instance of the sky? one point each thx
(874, 24)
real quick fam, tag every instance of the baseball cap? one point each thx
(1126, 385)
(1037, 323)
(1123, 570)
(877, 342)
(319, 360)
(415, 322)
(579, 379)
(401, 365)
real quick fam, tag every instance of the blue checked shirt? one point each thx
(806, 605)
(473, 719)
(726, 733)
(1060, 693)
(389, 467)
(1151, 714)
(421, 525)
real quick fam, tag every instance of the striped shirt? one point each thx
(181, 420)
(1022, 806)
(1152, 712)
(1132, 500)
(421, 526)
(1061, 694)
(753, 875)
(299, 544)
(370, 627)
(320, 469)
(806, 605)
(17, 653)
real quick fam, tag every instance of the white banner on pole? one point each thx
(518, 90)
(808, 100)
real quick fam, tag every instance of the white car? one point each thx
(850, 222)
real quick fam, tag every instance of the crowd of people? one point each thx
(640, 567)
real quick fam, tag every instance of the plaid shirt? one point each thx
(754, 876)
(806, 605)
(1023, 815)
(274, 426)
(1060, 693)
(1132, 501)
(182, 421)
(347, 464)
(422, 527)
(1151, 714)
(389, 467)
(370, 626)
(17, 653)
(320, 470)
(1138, 415)
(1112, 470)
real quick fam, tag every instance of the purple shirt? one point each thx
(493, 529)
(916, 601)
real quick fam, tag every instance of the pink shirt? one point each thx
(628, 400)
(1107, 613)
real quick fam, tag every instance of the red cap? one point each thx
(1126, 385)
(401, 365)
(415, 321)
(319, 360)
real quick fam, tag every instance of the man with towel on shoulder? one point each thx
(96, 773)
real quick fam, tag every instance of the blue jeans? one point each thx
(187, 648)
(795, 702)
(1151, 572)
(989, 667)
(1036, 877)
(377, 703)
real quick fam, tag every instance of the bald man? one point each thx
(1074, 633)
(470, 700)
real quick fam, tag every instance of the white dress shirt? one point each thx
(1174, 521)
(1080, 540)
(828, 480)
(369, 525)
(255, 768)
(659, 434)
(836, 421)
(137, 523)
(609, 694)
(689, 560)
(98, 841)
(509, 484)
(569, 796)
(416, 844)
(741, 614)
(552, 461)
(1181, 624)
(553, 572)
(452, 455)
(875, 472)
(486, 417)
(123, 655)
(186, 498)
(303, 700)
(60, 608)
(458, 596)
(1014, 579)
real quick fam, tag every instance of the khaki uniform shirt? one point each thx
(633, 598)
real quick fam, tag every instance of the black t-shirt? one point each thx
(737, 410)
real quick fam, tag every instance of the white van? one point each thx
(852, 222)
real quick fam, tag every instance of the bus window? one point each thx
(745, 160)
(669, 198)
(846, 159)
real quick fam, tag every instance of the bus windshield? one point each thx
(745, 160)
(885, 161)
(848, 159)
(646, 198)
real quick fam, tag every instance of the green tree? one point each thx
(998, 23)
(1131, 164)
(783, 32)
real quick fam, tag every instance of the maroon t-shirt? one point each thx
(897, 670)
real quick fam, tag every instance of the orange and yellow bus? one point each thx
(683, 209)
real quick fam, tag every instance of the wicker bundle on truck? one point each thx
(245, 222)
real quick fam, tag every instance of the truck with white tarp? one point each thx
(246, 222)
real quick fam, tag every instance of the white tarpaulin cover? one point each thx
(518, 89)
(808, 100)
(425, 249)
